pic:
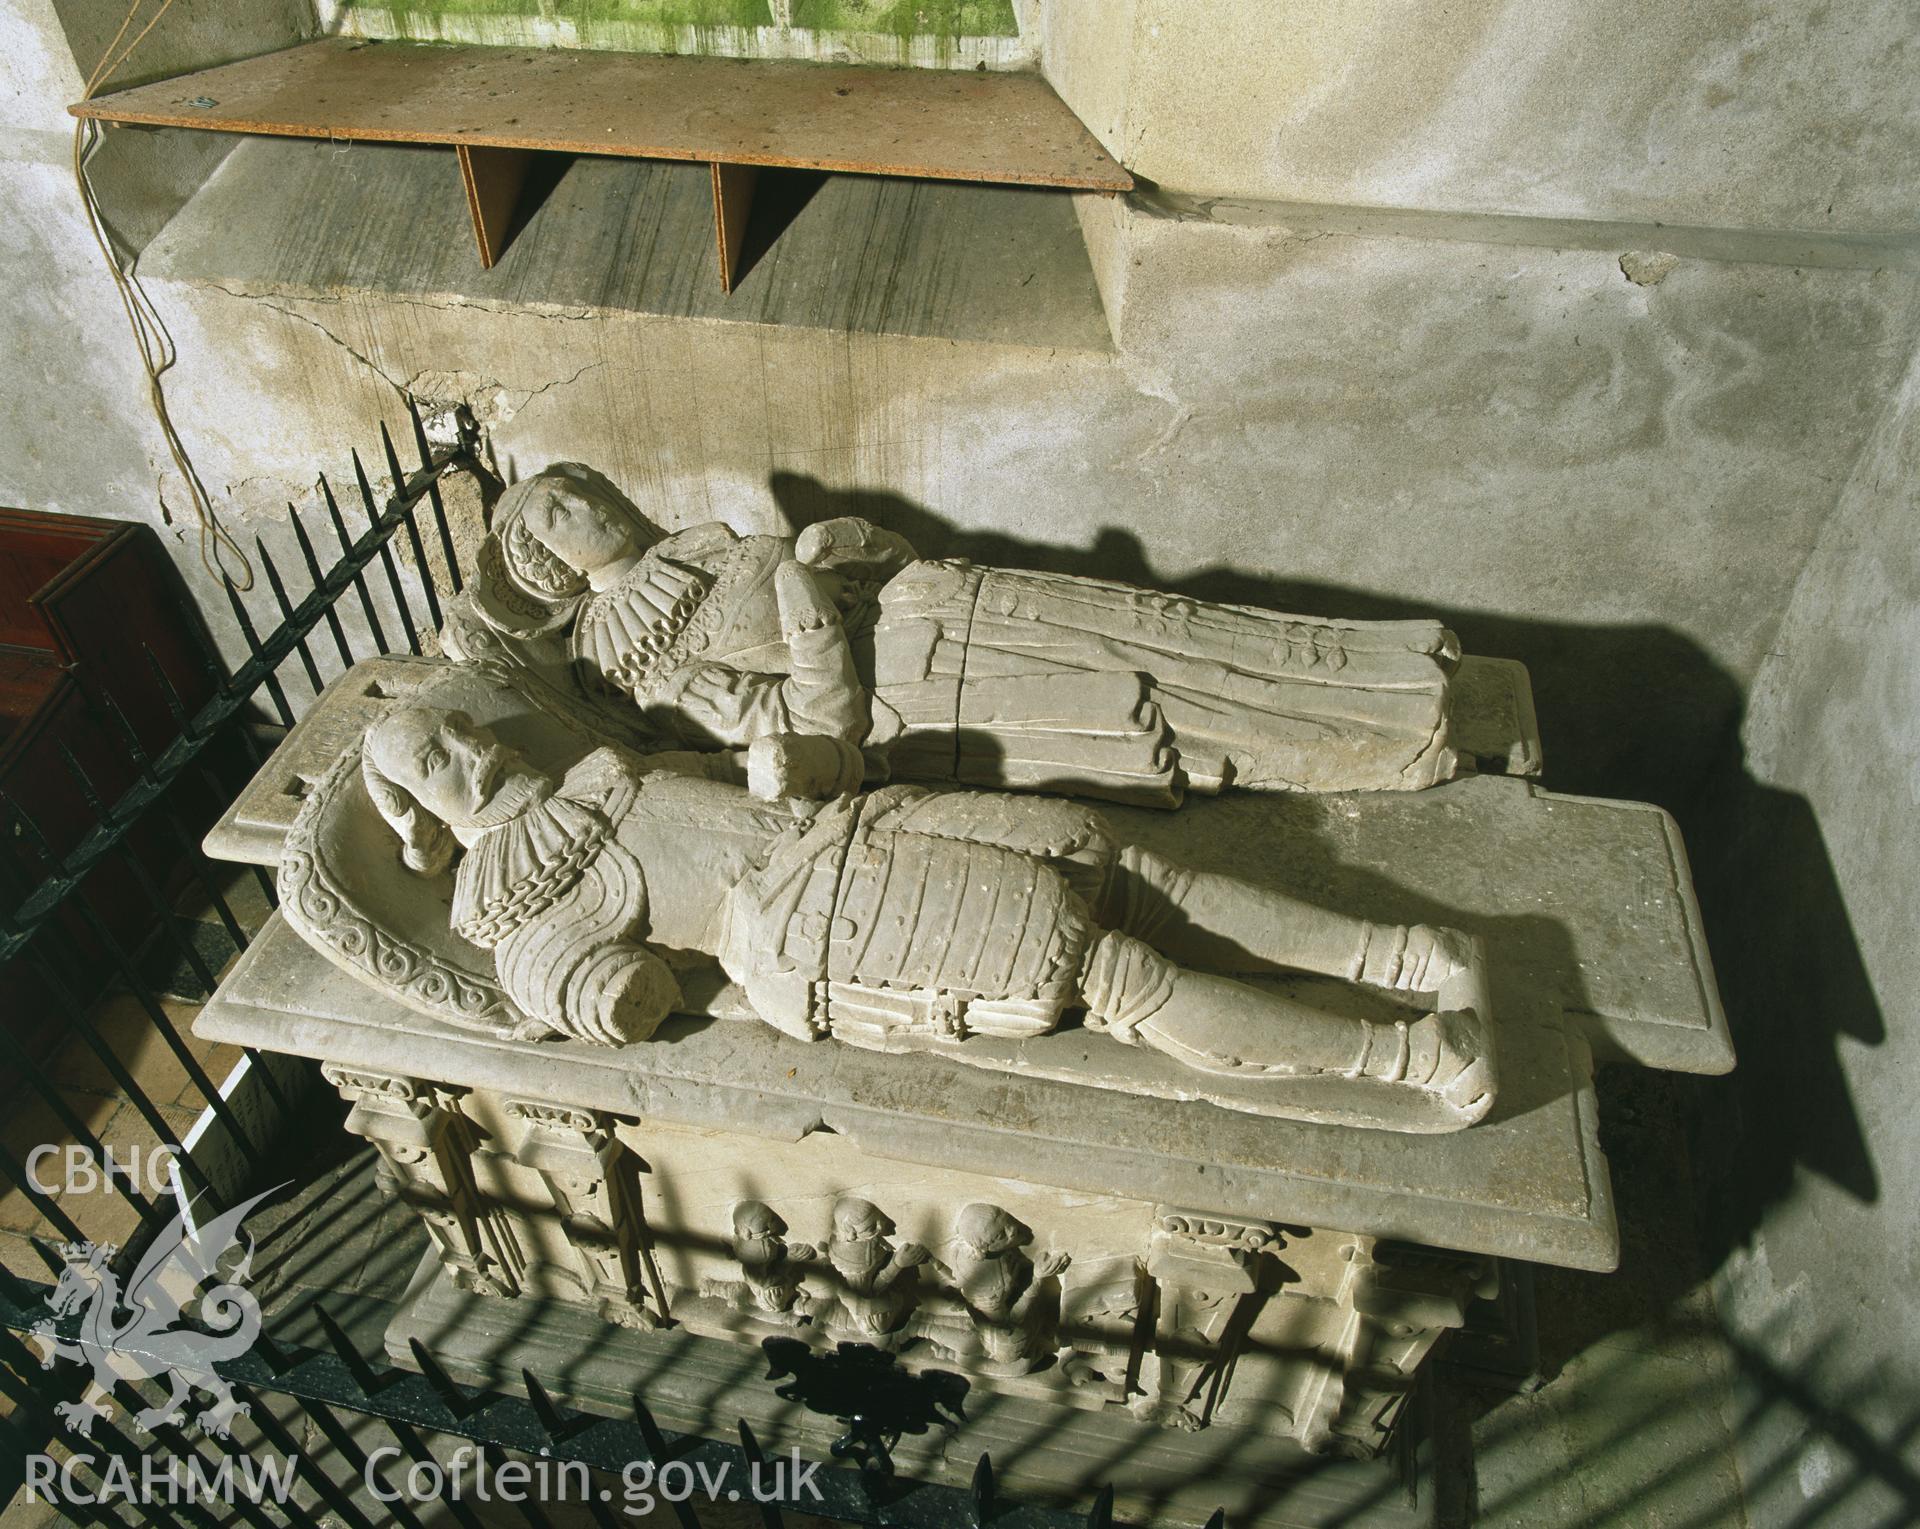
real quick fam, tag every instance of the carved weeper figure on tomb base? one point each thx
(1011, 1300)
(876, 1283)
(908, 918)
(771, 1268)
(948, 671)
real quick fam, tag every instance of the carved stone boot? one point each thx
(1449, 1054)
(1411, 958)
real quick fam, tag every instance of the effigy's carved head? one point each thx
(577, 523)
(429, 771)
(540, 561)
(756, 1221)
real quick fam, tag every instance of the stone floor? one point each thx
(1630, 1423)
(1627, 1423)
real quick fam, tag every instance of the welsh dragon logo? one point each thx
(137, 1331)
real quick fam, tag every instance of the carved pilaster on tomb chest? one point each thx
(1209, 1274)
(593, 1181)
(1397, 1300)
(426, 1148)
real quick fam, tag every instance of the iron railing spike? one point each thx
(111, 705)
(288, 619)
(46, 1253)
(317, 580)
(386, 554)
(367, 501)
(449, 1394)
(406, 503)
(268, 676)
(552, 1425)
(770, 1515)
(275, 1357)
(429, 466)
(374, 629)
(28, 823)
(240, 615)
(169, 693)
(211, 663)
(650, 1434)
(95, 803)
(349, 1355)
(980, 1489)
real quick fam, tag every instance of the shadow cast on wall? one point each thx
(1629, 711)
(1793, 981)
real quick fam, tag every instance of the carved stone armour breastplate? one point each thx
(842, 900)
(949, 916)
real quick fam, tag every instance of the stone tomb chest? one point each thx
(1186, 1300)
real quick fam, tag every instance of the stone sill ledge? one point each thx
(985, 264)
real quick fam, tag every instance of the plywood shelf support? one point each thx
(732, 205)
(493, 179)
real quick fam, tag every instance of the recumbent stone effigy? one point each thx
(948, 671)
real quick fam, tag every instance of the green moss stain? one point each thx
(944, 21)
(922, 28)
(939, 33)
(420, 17)
(674, 13)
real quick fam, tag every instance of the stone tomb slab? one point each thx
(1584, 904)
(1530, 1182)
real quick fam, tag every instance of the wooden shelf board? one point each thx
(937, 124)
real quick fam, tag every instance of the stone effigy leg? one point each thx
(1219, 1025)
(1280, 733)
(1223, 924)
(1256, 699)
